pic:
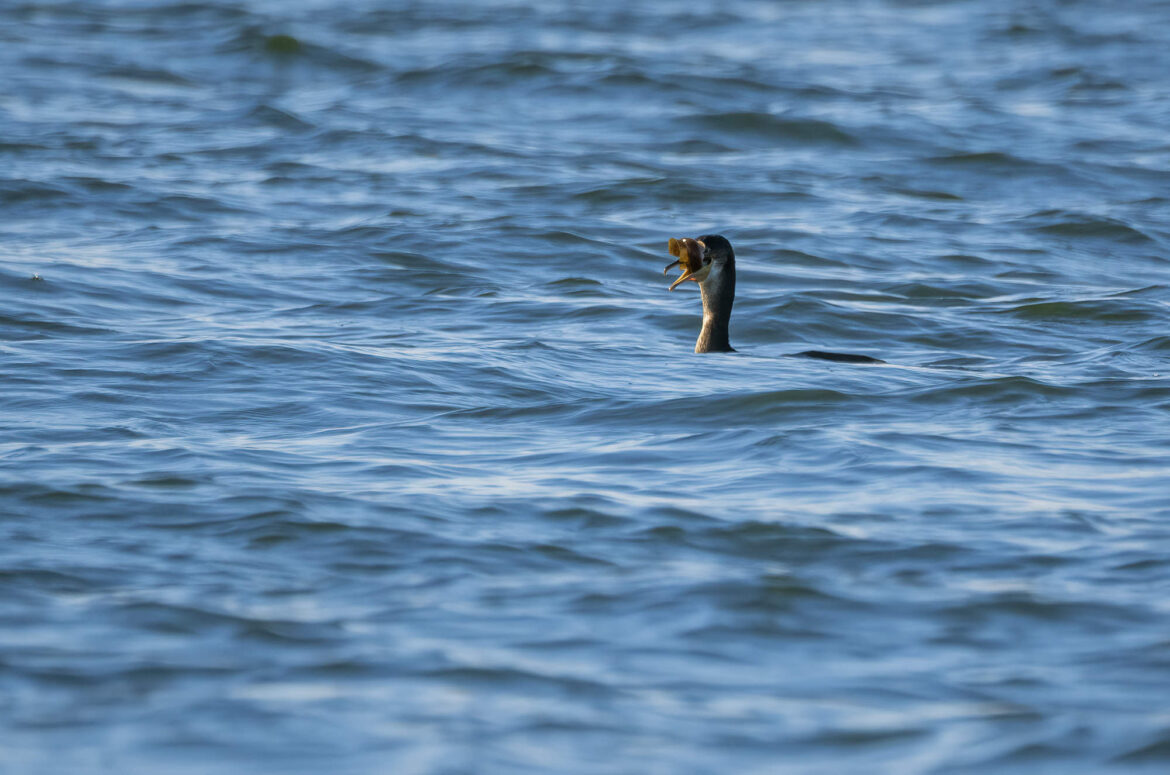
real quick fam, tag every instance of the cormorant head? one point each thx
(699, 256)
(716, 251)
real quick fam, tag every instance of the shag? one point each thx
(710, 261)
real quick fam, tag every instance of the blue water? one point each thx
(346, 424)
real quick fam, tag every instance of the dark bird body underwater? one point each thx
(709, 261)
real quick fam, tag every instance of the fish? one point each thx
(690, 258)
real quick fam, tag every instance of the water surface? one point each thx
(347, 425)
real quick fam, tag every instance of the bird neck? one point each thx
(718, 295)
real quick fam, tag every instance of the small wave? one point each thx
(479, 73)
(191, 207)
(1084, 226)
(789, 257)
(515, 678)
(98, 185)
(20, 147)
(1157, 344)
(983, 159)
(959, 292)
(279, 118)
(1155, 751)
(944, 196)
(284, 49)
(638, 189)
(87, 495)
(765, 126)
(149, 75)
(695, 146)
(16, 192)
(998, 162)
(1102, 310)
(995, 390)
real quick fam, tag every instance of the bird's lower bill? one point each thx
(698, 276)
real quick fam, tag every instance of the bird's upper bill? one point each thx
(695, 266)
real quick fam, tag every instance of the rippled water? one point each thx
(347, 425)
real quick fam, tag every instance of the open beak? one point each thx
(689, 254)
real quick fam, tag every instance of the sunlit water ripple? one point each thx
(348, 427)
